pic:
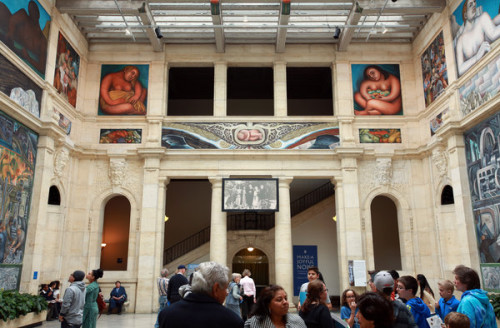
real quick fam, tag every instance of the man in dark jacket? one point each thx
(71, 314)
(203, 306)
(175, 282)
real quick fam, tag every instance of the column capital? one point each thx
(336, 181)
(215, 181)
(284, 182)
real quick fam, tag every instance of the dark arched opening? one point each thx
(447, 196)
(54, 196)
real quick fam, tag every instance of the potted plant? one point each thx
(21, 309)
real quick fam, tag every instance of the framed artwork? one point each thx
(434, 70)
(377, 89)
(250, 195)
(124, 90)
(133, 136)
(380, 135)
(67, 69)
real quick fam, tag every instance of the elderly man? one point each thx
(162, 290)
(203, 306)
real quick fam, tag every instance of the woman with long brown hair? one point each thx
(314, 311)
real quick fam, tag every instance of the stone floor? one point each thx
(126, 320)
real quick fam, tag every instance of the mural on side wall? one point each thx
(481, 87)
(63, 122)
(257, 135)
(19, 87)
(437, 121)
(377, 89)
(123, 90)
(380, 135)
(434, 70)
(491, 277)
(67, 69)
(475, 25)
(18, 146)
(120, 136)
(24, 28)
(482, 144)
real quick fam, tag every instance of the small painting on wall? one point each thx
(434, 70)
(24, 28)
(250, 195)
(133, 136)
(377, 89)
(123, 90)
(437, 121)
(67, 69)
(380, 135)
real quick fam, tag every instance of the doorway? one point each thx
(257, 262)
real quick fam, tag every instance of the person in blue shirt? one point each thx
(118, 297)
(448, 303)
(407, 289)
(474, 302)
(348, 310)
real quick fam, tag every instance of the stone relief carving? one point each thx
(60, 161)
(383, 173)
(117, 172)
(440, 161)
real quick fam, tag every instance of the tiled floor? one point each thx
(127, 320)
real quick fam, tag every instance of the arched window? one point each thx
(385, 231)
(54, 196)
(115, 234)
(447, 196)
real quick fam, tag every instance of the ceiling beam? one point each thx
(282, 22)
(347, 33)
(215, 10)
(149, 23)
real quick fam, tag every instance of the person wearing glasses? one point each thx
(407, 289)
(314, 311)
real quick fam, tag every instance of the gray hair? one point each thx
(246, 272)
(235, 275)
(164, 272)
(207, 275)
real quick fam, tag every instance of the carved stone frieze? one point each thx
(440, 161)
(383, 173)
(60, 161)
(117, 171)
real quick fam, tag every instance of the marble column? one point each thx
(218, 224)
(280, 97)
(153, 193)
(220, 89)
(283, 238)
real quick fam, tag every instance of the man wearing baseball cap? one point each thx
(71, 314)
(385, 285)
(175, 282)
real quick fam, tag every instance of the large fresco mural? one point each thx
(377, 89)
(24, 28)
(483, 166)
(67, 69)
(18, 147)
(480, 88)
(19, 87)
(244, 135)
(475, 25)
(434, 70)
(124, 90)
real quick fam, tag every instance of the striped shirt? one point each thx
(162, 286)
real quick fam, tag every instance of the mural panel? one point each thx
(377, 89)
(437, 121)
(120, 136)
(483, 168)
(481, 87)
(24, 28)
(63, 122)
(380, 135)
(18, 147)
(434, 70)
(241, 135)
(19, 87)
(475, 25)
(67, 69)
(123, 90)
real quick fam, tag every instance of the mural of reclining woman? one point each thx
(122, 93)
(379, 93)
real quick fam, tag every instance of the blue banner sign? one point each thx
(303, 258)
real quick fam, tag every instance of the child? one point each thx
(456, 320)
(448, 303)
(407, 289)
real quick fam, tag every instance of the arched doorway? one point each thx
(385, 231)
(257, 262)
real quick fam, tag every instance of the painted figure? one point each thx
(475, 38)
(379, 93)
(249, 135)
(122, 93)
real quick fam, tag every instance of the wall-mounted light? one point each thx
(250, 249)
(334, 218)
(158, 32)
(336, 35)
(103, 245)
(166, 218)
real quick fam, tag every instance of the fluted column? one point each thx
(280, 97)
(218, 224)
(283, 238)
(220, 89)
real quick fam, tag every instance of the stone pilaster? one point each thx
(283, 238)
(218, 224)
(220, 89)
(280, 96)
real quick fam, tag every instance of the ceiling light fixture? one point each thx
(250, 249)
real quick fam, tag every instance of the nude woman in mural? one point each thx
(379, 93)
(249, 135)
(122, 93)
(25, 30)
(477, 34)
